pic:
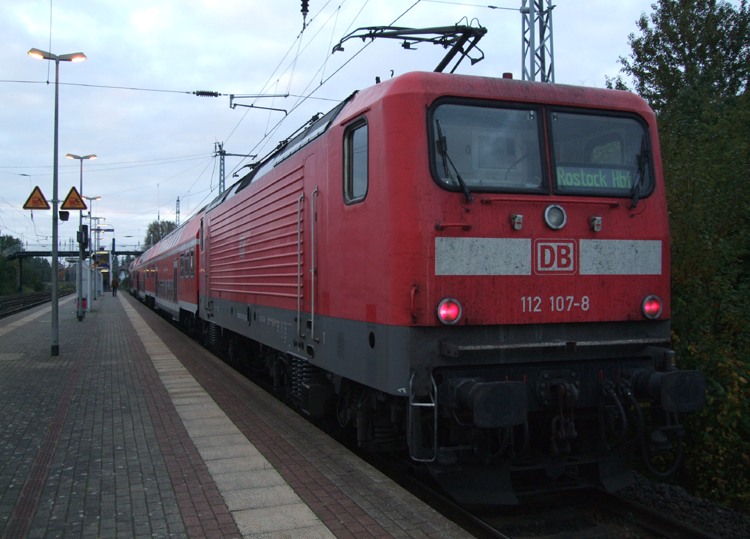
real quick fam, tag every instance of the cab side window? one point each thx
(356, 162)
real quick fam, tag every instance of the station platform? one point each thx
(134, 430)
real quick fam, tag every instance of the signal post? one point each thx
(74, 202)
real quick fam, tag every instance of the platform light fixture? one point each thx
(72, 57)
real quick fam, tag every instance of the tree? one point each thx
(691, 61)
(8, 270)
(158, 230)
(693, 46)
(36, 270)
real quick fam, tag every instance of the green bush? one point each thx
(691, 62)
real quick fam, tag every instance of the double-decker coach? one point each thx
(166, 275)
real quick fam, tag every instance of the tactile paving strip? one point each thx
(258, 498)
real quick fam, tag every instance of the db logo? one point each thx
(555, 256)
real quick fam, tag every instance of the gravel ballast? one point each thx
(679, 504)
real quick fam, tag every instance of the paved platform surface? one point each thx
(136, 431)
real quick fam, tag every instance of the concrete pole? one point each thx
(55, 351)
(90, 295)
(79, 272)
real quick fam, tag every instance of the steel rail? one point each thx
(17, 304)
(646, 517)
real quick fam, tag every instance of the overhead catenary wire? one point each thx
(49, 65)
(286, 67)
(333, 31)
(199, 93)
(301, 98)
(291, 47)
(470, 5)
(305, 96)
(104, 167)
(297, 40)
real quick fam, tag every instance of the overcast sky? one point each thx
(155, 140)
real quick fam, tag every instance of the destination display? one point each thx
(616, 181)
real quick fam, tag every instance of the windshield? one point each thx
(492, 149)
(599, 155)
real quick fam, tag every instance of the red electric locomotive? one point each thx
(473, 270)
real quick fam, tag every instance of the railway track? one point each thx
(664, 525)
(20, 302)
(585, 514)
(576, 514)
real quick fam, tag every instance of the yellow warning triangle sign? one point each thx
(73, 201)
(36, 201)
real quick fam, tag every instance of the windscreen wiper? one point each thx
(442, 145)
(641, 160)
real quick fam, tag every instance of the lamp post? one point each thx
(101, 229)
(79, 273)
(73, 57)
(95, 249)
(89, 298)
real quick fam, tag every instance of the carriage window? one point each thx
(192, 263)
(355, 162)
(182, 265)
(600, 155)
(493, 149)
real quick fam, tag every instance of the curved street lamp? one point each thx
(73, 57)
(79, 272)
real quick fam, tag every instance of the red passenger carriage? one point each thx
(166, 275)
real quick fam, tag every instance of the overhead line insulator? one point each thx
(305, 10)
(206, 93)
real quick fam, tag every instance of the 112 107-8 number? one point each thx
(534, 304)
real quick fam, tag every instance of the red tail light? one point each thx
(652, 307)
(449, 311)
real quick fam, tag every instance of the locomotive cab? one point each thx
(551, 292)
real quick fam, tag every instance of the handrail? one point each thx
(410, 422)
(312, 264)
(300, 200)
